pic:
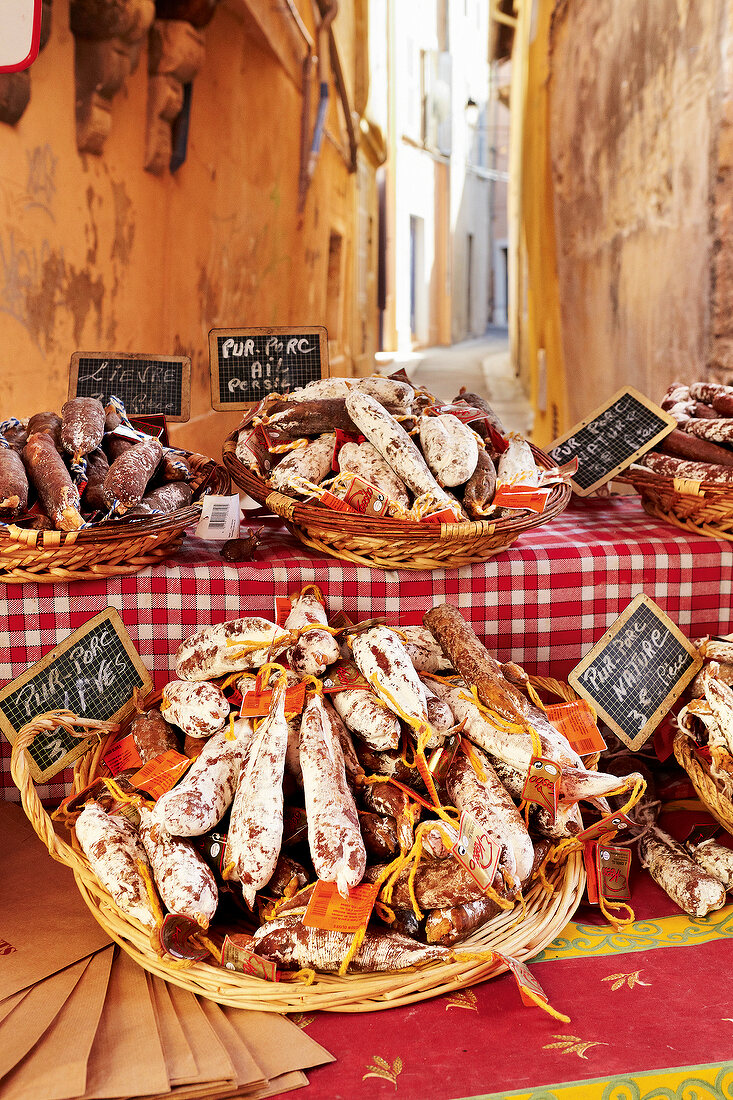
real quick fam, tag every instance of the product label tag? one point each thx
(327, 909)
(475, 851)
(445, 515)
(257, 703)
(175, 938)
(256, 444)
(577, 724)
(605, 826)
(540, 786)
(525, 979)
(334, 502)
(237, 954)
(123, 755)
(591, 872)
(161, 773)
(441, 758)
(701, 832)
(283, 607)
(219, 518)
(343, 676)
(614, 865)
(521, 496)
(212, 847)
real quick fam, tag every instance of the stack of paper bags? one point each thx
(79, 1018)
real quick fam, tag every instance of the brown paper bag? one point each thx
(10, 1003)
(126, 1058)
(213, 1064)
(247, 1070)
(56, 1067)
(276, 1043)
(43, 919)
(179, 1060)
(39, 1007)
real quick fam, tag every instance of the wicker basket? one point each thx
(111, 549)
(523, 938)
(712, 798)
(392, 543)
(701, 507)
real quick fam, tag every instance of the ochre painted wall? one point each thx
(97, 254)
(635, 95)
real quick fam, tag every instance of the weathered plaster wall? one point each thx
(635, 105)
(96, 254)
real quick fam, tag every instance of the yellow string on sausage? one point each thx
(354, 946)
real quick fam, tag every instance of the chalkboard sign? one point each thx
(609, 440)
(92, 673)
(248, 363)
(145, 384)
(634, 674)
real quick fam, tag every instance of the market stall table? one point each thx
(544, 602)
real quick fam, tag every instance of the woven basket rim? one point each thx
(651, 479)
(521, 938)
(707, 789)
(315, 518)
(210, 475)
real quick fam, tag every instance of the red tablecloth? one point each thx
(544, 602)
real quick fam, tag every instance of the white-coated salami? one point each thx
(199, 709)
(114, 850)
(315, 649)
(450, 448)
(312, 462)
(368, 717)
(365, 461)
(715, 859)
(196, 804)
(335, 840)
(185, 883)
(692, 889)
(233, 646)
(517, 465)
(256, 821)
(423, 649)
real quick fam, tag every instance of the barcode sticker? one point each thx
(219, 518)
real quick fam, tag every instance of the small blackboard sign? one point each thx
(145, 384)
(609, 440)
(637, 670)
(92, 673)
(248, 363)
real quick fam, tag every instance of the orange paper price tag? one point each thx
(577, 723)
(283, 608)
(540, 786)
(591, 871)
(327, 909)
(237, 954)
(161, 773)
(256, 703)
(475, 852)
(445, 516)
(123, 755)
(521, 496)
(611, 823)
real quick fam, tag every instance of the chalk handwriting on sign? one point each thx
(92, 673)
(637, 670)
(249, 363)
(144, 383)
(609, 440)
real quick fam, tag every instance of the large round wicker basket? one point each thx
(708, 791)
(393, 543)
(110, 549)
(512, 933)
(701, 507)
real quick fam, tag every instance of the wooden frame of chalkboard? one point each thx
(248, 363)
(145, 384)
(636, 671)
(92, 673)
(607, 441)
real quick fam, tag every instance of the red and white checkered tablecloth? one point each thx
(544, 602)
